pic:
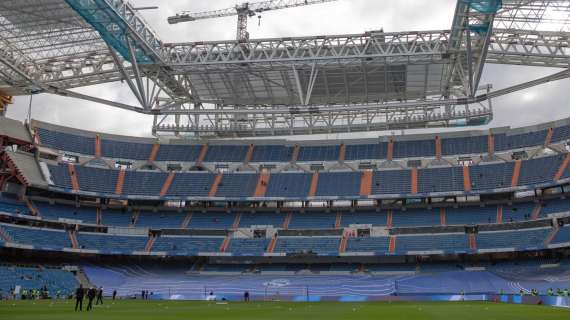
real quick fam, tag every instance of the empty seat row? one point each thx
(402, 148)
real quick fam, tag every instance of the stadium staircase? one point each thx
(287, 220)
(548, 139)
(237, 219)
(73, 239)
(262, 185)
(272, 244)
(414, 180)
(516, 173)
(135, 218)
(390, 219)
(390, 153)
(366, 183)
(73, 177)
(342, 153)
(186, 220)
(167, 183)
(32, 208)
(491, 145)
(472, 241)
(202, 155)
(83, 279)
(225, 244)
(215, 184)
(120, 182)
(499, 214)
(99, 218)
(551, 235)
(150, 243)
(98, 152)
(343, 242)
(338, 220)
(249, 154)
(5, 236)
(295, 153)
(536, 211)
(392, 246)
(314, 184)
(466, 179)
(442, 217)
(438, 149)
(154, 152)
(562, 168)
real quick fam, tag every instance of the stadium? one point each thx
(273, 182)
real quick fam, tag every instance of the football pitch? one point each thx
(166, 310)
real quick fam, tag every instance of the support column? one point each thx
(442, 217)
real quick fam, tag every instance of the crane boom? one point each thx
(243, 11)
(249, 8)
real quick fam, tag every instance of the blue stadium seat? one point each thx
(125, 150)
(289, 185)
(67, 142)
(237, 185)
(269, 153)
(392, 182)
(318, 245)
(319, 153)
(339, 184)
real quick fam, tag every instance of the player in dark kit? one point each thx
(79, 293)
(91, 293)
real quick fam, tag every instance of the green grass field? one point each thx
(142, 310)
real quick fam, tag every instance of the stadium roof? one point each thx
(301, 85)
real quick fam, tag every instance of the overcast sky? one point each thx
(540, 104)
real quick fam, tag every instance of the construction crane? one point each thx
(243, 11)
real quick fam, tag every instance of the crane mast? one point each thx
(243, 11)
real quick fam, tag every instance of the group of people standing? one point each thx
(91, 294)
